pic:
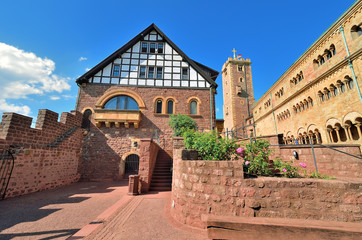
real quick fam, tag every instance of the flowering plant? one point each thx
(287, 169)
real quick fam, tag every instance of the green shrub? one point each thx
(256, 157)
(181, 123)
(286, 168)
(210, 146)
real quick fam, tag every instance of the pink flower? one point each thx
(284, 170)
(247, 163)
(239, 150)
(303, 165)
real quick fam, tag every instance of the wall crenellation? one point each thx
(47, 156)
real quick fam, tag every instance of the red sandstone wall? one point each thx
(330, 162)
(45, 156)
(104, 148)
(207, 187)
(149, 151)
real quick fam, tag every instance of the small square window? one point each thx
(160, 48)
(159, 72)
(151, 72)
(142, 72)
(152, 47)
(144, 47)
(240, 68)
(185, 73)
(116, 70)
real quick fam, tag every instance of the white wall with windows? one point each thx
(151, 62)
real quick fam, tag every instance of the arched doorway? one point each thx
(132, 164)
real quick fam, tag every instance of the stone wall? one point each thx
(46, 156)
(330, 162)
(149, 151)
(207, 187)
(105, 148)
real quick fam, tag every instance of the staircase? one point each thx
(162, 174)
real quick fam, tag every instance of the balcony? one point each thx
(117, 117)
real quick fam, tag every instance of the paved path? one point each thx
(92, 210)
(57, 213)
(145, 217)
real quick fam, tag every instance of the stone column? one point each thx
(337, 131)
(349, 134)
(317, 137)
(329, 135)
(358, 126)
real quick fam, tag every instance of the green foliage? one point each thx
(210, 146)
(256, 157)
(286, 168)
(181, 123)
(317, 175)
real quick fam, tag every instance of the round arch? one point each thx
(116, 92)
(122, 163)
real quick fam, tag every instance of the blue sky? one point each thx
(46, 45)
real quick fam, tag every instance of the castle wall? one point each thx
(218, 188)
(46, 156)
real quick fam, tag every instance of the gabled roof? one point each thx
(202, 69)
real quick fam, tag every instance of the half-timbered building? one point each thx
(130, 95)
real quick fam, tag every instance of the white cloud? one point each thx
(67, 96)
(217, 109)
(23, 73)
(54, 97)
(5, 107)
(82, 59)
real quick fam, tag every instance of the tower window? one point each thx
(240, 68)
(241, 79)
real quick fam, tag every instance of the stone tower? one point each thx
(238, 93)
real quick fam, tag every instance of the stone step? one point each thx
(227, 227)
(160, 189)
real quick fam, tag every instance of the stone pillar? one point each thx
(358, 125)
(337, 131)
(349, 134)
(329, 135)
(317, 137)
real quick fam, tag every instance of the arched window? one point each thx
(350, 83)
(159, 106)
(170, 106)
(343, 87)
(332, 48)
(328, 53)
(193, 107)
(321, 59)
(329, 95)
(335, 91)
(241, 79)
(121, 102)
(356, 31)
